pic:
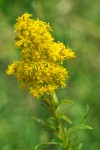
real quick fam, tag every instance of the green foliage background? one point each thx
(76, 23)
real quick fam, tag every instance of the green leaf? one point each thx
(54, 99)
(37, 120)
(65, 101)
(49, 126)
(76, 127)
(83, 119)
(66, 119)
(54, 96)
(80, 146)
(40, 145)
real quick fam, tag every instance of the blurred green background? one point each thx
(76, 23)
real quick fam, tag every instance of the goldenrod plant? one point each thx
(41, 70)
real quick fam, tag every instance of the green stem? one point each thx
(60, 134)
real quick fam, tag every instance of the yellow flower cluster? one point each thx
(40, 66)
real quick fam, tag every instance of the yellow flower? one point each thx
(40, 65)
(12, 68)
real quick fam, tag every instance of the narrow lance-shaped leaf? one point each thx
(46, 125)
(65, 101)
(76, 127)
(66, 119)
(54, 99)
(37, 120)
(83, 119)
(40, 145)
(80, 146)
